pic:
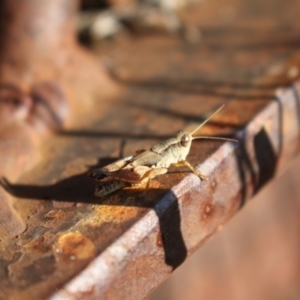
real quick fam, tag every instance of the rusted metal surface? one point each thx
(77, 246)
(255, 256)
(40, 85)
(190, 212)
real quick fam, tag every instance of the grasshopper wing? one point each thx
(159, 148)
(103, 172)
(147, 158)
(117, 165)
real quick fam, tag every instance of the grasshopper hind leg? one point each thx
(107, 187)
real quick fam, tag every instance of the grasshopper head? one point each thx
(184, 138)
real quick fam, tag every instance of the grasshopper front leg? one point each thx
(153, 173)
(185, 163)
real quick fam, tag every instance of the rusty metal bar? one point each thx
(72, 245)
(192, 211)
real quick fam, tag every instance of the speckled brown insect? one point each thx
(147, 164)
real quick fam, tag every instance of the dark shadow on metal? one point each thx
(266, 159)
(244, 165)
(124, 136)
(80, 189)
(180, 115)
(172, 240)
(207, 88)
(111, 135)
(146, 136)
(265, 154)
(199, 83)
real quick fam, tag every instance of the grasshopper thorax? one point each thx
(183, 145)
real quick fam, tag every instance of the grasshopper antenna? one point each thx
(203, 123)
(214, 138)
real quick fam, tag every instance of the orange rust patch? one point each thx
(111, 214)
(40, 244)
(73, 245)
(55, 214)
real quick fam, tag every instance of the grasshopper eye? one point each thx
(185, 140)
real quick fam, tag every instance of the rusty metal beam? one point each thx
(191, 211)
(121, 247)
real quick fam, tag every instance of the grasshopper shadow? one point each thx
(80, 189)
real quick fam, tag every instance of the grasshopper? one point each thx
(147, 164)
